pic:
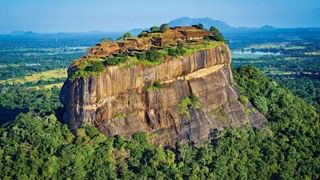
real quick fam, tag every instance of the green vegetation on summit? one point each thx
(148, 49)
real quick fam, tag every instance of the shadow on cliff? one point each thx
(59, 114)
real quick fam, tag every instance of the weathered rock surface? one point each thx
(117, 101)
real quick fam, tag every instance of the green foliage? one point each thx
(119, 116)
(308, 88)
(221, 112)
(34, 147)
(155, 86)
(94, 66)
(164, 27)
(199, 26)
(153, 56)
(106, 40)
(111, 61)
(149, 58)
(18, 98)
(155, 29)
(188, 102)
(87, 69)
(287, 147)
(217, 36)
(261, 104)
(286, 144)
(244, 100)
(141, 56)
(143, 34)
(175, 52)
(119, 38)
(127, 35)
(26, 56)
(119, 142)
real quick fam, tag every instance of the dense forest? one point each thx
(18, 98)
(38, 146)
(291, 57)
(300, 75)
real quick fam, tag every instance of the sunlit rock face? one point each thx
(119, 102)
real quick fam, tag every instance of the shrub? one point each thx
(127, 35)
(223, 115)
(153, 87)
(244, 100)
(260, 103)
(115, 60)
(199, 26)
(217, 36)
(106, 40)
(175, 52)
(87, 69)
(153, 56)
(118, 142)
(155, 29)
(164, 27)
(143, 34)
(141, 56)
(188, 102)
(119, 116)
(94, 67)
(141, 138)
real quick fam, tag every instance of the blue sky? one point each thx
(119, 15)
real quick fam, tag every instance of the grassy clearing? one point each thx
(49, 86)
(191, 48)
(45, 75)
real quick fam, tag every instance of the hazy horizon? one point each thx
(116, 16)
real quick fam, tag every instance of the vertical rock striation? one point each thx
(118, 101)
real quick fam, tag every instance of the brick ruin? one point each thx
(149, 40)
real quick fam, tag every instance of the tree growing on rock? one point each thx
(216, 33)
(164, 27)
(155, 29)
(127, 35)
(199, 26)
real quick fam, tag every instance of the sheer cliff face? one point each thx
(119, 101)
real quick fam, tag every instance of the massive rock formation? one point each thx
(120, 100)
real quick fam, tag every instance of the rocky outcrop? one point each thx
(121, 100)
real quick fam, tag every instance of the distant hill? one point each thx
(222, 26)
(17, 32)
(23, 33)
(186, 21)
(183, 21)
(30, 33)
